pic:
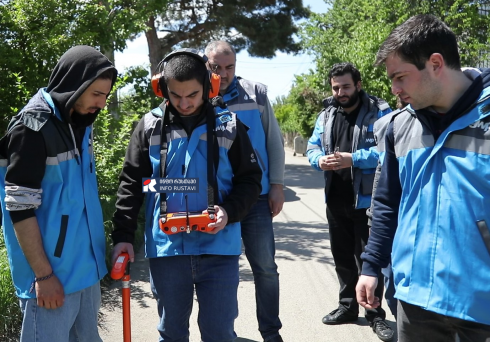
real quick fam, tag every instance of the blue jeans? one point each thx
(258, 239)
(75, 321)
(215, 279)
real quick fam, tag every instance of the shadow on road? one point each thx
(305, 241)
(297, 241)
(290, 195)
(303, 176)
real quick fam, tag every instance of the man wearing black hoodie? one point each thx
(432, 199)
(52, 217)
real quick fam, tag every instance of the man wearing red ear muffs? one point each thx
(183, 139)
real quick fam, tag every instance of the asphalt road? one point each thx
(309, 286)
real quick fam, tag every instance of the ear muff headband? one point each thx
(210, 85)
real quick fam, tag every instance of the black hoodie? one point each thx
(76, 70)
(24, 146)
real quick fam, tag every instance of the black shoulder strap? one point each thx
(211, 146)
(163, 157)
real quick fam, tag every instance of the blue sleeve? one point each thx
(382, 113)
(315, 150)
(365, 158)
(368, 158)
(386, 203)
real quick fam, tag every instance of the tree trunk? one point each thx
(113, 104)
(154, 48)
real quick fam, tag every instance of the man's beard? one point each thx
(352, 100)
(83, 120)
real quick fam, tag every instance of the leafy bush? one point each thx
(112, 132)
(10, 315)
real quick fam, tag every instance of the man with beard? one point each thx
(52, 218)
(343, 146)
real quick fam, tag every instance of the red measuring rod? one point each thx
(120, 270)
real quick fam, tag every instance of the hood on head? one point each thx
(76, 70)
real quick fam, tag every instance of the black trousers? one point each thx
(349, 232)
(418, 325)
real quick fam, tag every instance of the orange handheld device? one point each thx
(186, 222)
(119, 267)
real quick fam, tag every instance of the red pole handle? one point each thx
(121, 270)
(126, 308)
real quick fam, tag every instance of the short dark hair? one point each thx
(109, 74)
(417, 39)
(185, 68)
(341, 69)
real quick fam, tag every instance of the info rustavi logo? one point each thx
(149, 185)
(170, 185)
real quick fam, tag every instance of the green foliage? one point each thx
(111, 138)
(10, 315)
(353, 30)
(35, 33)
(140, 97)
(113, 132)
(298, 111)
(110, 141)
(261, 27)
(18, 97)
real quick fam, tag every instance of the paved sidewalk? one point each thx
(309, 286)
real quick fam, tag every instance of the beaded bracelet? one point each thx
(37, 280)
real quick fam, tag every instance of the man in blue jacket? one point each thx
(432, 199)
(52, 218)
(249, 101)
(171, 142)
(343, 146)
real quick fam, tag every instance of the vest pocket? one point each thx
(62, 236)
(485, 233)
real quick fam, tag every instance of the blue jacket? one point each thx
(238, 178)
(365, 155)
(247, 100)
(434, 192)
(67, 210)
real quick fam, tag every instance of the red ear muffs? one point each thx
(210, 85)
(214, 81)
(155, 84)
